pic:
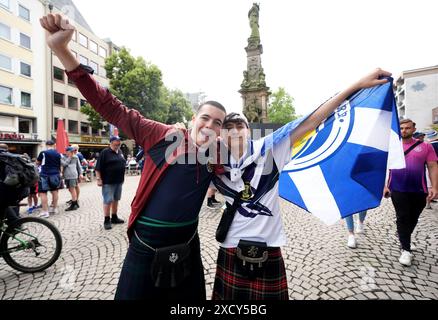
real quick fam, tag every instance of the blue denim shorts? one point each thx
(111, 192)
(49, 183)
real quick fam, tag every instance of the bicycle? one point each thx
(29, 244)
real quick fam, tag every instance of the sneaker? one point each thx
(52, 209)
(215, 202)
(117, 220)
(405, 258)
(210, 204)
(351, 242)
(107, 225)
(44, 215)
(69, 202)
(30, 210)
(413, 246)
(360, 228)
(73, 206)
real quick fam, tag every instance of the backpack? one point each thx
(18, 171)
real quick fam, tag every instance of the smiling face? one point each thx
(207, 124)
(236, 135)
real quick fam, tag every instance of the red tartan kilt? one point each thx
(230, 284)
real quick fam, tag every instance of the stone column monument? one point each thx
(254, 91)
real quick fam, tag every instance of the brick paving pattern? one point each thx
(318, 262)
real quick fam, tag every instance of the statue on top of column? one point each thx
(253, 16)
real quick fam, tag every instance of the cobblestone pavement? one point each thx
(319, 264)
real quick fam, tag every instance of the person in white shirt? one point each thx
(250, 265)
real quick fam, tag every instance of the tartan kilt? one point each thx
(230, 284)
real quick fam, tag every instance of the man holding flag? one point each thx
(250, 264)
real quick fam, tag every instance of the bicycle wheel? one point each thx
(31, 244)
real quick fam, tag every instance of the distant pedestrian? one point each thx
(83, 163)
(110, 172)
(360, 228)
(407, 187)
(32, 198)
(50, 178)
(211, 198)
(72, 172)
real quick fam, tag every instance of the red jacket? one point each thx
(145, 132)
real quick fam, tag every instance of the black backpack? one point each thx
(18, 171)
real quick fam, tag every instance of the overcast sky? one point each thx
(313, 48)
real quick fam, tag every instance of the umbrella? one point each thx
(61, 137)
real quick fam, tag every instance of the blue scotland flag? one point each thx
(339, 169)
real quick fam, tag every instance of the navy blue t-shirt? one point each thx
(179, 195)
(111, 166)
(50, 162)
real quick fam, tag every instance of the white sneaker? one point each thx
(360, 228)
(351, 241)
(53, 210)
(405, 258)
(44, 214)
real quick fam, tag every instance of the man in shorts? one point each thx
(110, 172)
(50, 178)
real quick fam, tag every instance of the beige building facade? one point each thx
(416, 93)
(66, 99)
(23, 118)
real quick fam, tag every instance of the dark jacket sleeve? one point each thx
(145, 132)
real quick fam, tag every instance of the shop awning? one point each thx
(83, 145)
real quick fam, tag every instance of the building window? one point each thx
(83, 60)
(24, 12)
(72, 103)
(24, 126)
(4, 3)
(24, 41)
(83, 40)
(94, 132)
(58, 99)
(102, 52)
(5, 95)
(83, 102)
(58, 74)
(94, 66)
(5, 31)
(92, 46)
(5, 62)
(85, 129)
(106, 130)
(72, 126)
(102, 71)
(25, 69)
(26, 100)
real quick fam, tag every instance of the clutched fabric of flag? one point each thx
(340, 168)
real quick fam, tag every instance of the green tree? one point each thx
(137, 83)
(96, 121)
(179, 108)
(280, 108)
